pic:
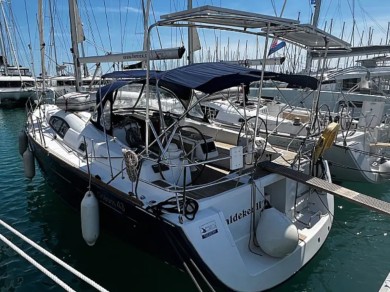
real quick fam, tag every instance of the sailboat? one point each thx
(360, 151)
(16, 86)
(341, 89)
(16, 82)
(147, 158)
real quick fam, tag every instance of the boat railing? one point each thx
(296, 137)
(208, 161)
(347, 70)
(177, 189)
(40, 131)
(29, 110)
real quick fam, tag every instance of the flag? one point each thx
(275, 46)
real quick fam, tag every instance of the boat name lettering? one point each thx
(132, 56)
(208, 229)
(116, 204)
(240, 215)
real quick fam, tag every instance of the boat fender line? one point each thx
(29, 164)
(51, 256)
(90, 218)
(174, 204)
(131, 161)
(23, 142)
(326, 140)
(276, 234)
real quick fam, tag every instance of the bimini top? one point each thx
(209, 77)
(205, 77)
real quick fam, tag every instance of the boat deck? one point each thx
(213, 180)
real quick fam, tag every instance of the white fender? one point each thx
(22, 142)
(90, 218)
(384, 169)
(29, 164)
(275, 233)
(175, 173)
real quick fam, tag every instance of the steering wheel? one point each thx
(248, 128)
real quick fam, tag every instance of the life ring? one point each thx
(326, 140)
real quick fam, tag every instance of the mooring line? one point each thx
(36, 264)
(53, 257)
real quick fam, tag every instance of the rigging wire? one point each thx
(120, 22)
(53, 47)
(16, 28)
(65, 42)
(90, 29)
(123, 32)
(108, 26)
(29, 38)
(158, 36)
(96, 25)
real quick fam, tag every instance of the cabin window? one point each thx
(82, 147)
(169, 102)
(196, 110)
(349, 83)
(66, 83)
(59, 126)
(10, 84)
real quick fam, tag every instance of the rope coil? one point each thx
(131, 161)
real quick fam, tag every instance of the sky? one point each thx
(115, 26)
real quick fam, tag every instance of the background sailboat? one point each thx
(16, 82)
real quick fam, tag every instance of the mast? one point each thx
(2, 47)
(387, 33)
(52, 37)
(146, 25)
(316, 16)
(75, 48)
(11, 44)
(190, 38)
(41, 43)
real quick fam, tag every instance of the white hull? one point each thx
(352, 158)
(333, 99)
(219, 232)
(15, 95)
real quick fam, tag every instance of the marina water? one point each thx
(355, 257)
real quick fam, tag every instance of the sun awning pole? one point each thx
(317, 96)
(262, 78)
(147, 120)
